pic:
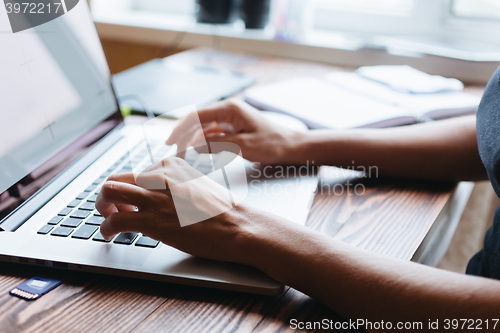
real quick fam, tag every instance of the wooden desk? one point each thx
(392, 217)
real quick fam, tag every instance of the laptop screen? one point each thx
(56, 98)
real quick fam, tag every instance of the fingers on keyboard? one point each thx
(80, 220)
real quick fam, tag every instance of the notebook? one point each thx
(348, 100)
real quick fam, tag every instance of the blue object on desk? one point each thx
(163, 87)
(34, 288)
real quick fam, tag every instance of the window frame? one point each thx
(483, 30)
(183, 7)
(423, 19)
(431, 19)
(428, 17)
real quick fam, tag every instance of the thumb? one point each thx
(123, 222)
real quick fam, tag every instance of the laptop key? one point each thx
(65, 212)
(113, 167)
(87, 206)
(80, 214)
(99, 180)
(126, 238)
(96, 213)
(55, 220)
(85, 232)
(92, 198)
(147, 242)
(73, 203)
(90, 188)
(62, 232)
(106, 174)
(95, 220)
(98, 238)
(71, 223)
(45, 230)
(82, 195)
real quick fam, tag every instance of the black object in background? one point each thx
(163, 88)
(255, 13)
(217, 11)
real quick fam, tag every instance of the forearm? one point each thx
(358, 284)
(443, 150)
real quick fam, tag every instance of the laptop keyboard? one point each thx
(80, 221)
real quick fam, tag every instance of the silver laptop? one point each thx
(62, 135)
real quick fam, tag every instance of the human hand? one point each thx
(217, 237)
(235, 122)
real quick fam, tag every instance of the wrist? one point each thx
(264, 241)
(297, 148)
(320, 147)
(246, 236)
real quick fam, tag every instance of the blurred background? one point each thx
(444, 37)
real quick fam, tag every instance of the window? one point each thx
(403, 17)
(479, 9)
(386, 17)
(391, 7)
(382, 17)
(466, 29)
(184, 7)
(431, 26)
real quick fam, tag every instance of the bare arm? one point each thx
(358, 284)
(442, 150)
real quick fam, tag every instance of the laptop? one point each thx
(62, 135)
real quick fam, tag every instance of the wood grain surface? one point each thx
(391, 217)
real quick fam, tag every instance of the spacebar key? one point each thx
(126, 238)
